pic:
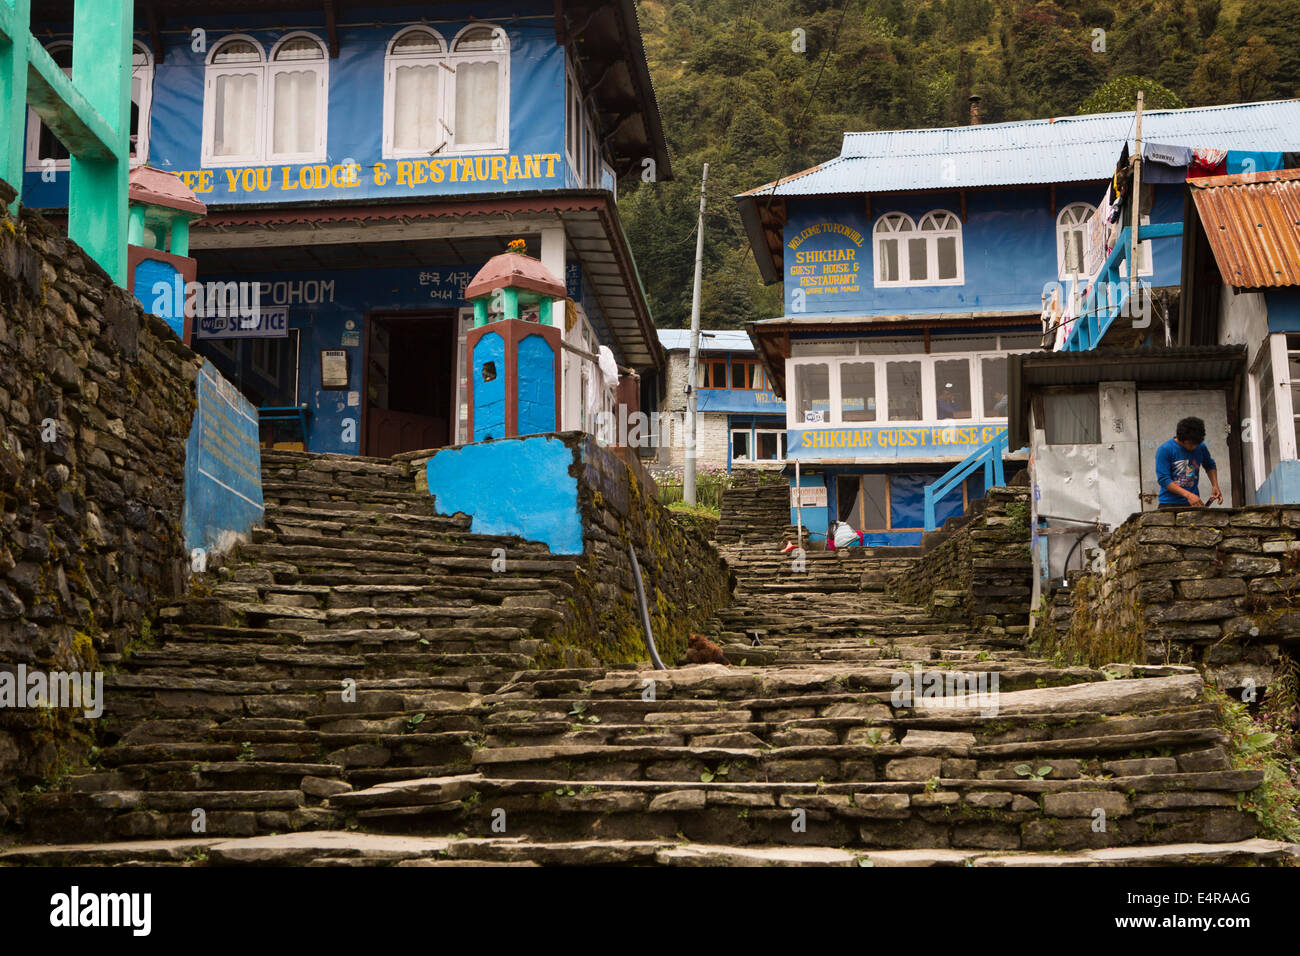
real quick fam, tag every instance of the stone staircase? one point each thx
(857, 732)
(754, 513)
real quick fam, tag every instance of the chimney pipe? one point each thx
(975, 109)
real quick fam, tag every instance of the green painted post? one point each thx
(480, 313)
(511, 297)
(101, 72)
(544, 310)
(180, 235)
(14, 20)
(135, 226)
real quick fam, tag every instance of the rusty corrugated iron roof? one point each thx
(1252, 221)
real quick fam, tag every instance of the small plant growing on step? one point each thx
(566, 792)
(932, 785)
(1025, 770)
(246, 751)
(579, 713)
(415, 720)
(708, 777)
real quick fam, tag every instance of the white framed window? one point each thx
(769, 444)
(1071, 239)
(924, 253)
(751, 444)
(573, 123)
(414, 71)
(903, 389)
(42, 144)
(480, 78)
(262, 109)
(453, 97)
(1145, 264)
(298, 76)
(233, 118)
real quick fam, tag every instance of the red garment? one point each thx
(1207, 162)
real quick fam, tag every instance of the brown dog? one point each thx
(704, 651)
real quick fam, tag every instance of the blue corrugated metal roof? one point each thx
(723, 340)
(1061, 150)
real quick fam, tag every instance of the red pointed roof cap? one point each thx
(159, 188)
(517, 271)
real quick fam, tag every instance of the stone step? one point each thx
(326, 847)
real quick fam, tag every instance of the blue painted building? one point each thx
(741, 421)
(359, 165)
(917, 261)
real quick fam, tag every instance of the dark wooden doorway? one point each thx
(409, 383)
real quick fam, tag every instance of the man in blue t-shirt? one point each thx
(1178, 467)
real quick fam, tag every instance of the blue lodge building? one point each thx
(917, 261)
(360, 163)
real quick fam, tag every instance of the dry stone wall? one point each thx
(981, 574)
(96, 399)
(1217, 588)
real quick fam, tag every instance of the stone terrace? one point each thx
(456, 750)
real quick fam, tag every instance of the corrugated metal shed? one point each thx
(725, 340)
(1201, 366)
(1252, 222)
(1061, 150)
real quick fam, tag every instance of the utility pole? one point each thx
(1137, 207)
(688, 476)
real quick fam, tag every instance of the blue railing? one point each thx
(1109, 294)
(989, 455)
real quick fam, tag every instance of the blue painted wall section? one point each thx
(223, 466)
(149, 272)
(1008, 251)
(489, 393)
(536, 386)
(518, 486)
(815, 520)
(354, 167)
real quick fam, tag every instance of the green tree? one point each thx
(1120, 94)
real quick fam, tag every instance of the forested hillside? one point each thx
(737, 94)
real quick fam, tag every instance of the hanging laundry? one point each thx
(1249, 161)
(1094, 237)
(1168, 155)
(1207, 162)
(1162, 163)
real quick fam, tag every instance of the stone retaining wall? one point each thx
(593, 506)
(96, 399)
(981, 574)
(685, 578)
(1214, 587)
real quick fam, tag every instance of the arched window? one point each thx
(1071, 240)
(927, 252)
(298, 77)
(43, 147)
(447, 96)
(259, 108)
(232, 102)
(480, 61)
(893, 231)
(141, 101)
(413, 93)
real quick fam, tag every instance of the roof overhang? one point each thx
(338, 236)
(772, 337)
(1252, 223)
(1211, 366)
(604, 38)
